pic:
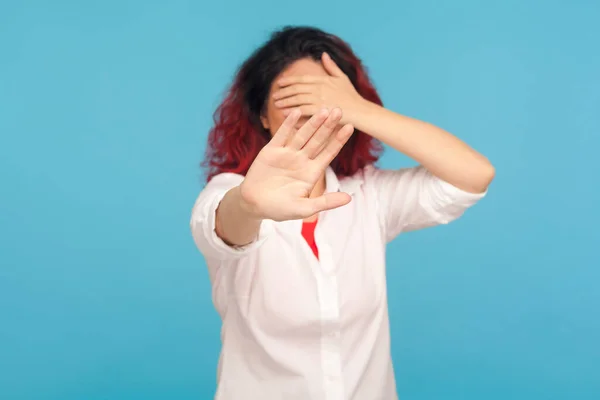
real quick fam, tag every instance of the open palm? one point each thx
(281, 178)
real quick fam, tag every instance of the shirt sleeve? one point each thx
(203, 222)
(413, 198)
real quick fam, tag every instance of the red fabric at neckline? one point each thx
(308, 232)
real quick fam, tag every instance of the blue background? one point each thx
(104, 110)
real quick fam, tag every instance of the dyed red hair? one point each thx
(238, 136)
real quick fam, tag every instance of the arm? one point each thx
(441, 153)
(409, 199)
(234, 223)
(229, 215)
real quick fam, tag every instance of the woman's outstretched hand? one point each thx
(279, 182)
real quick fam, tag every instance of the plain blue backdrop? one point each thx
(104, 111)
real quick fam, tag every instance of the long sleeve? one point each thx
(203, 221)
(220, 257)
(413, 198)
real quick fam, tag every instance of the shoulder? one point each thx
(360, 176)
(223, 181)
(372, 177)
(217, 187)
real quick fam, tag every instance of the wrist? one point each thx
(248, 208)
(360, 113)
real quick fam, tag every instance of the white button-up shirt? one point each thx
(298, 327)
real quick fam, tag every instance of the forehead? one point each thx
(305, 66)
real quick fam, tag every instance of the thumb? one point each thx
(328, 201)
(330, 66)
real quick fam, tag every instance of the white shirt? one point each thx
(295, 327)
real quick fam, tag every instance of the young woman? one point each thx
(294, 219)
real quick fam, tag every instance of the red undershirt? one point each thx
(308, 231)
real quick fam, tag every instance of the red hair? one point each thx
(237, 135)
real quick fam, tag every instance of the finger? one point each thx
(291, 90)
(308, 129)
(328, 201)
(330, 66)
(284, 132)
(295, 79)
(323, 134)
(306, 110)
(297, 100)
(334, 146)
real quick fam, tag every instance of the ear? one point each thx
(265, 122)
(330, 66)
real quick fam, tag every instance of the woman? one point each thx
(294, 219)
